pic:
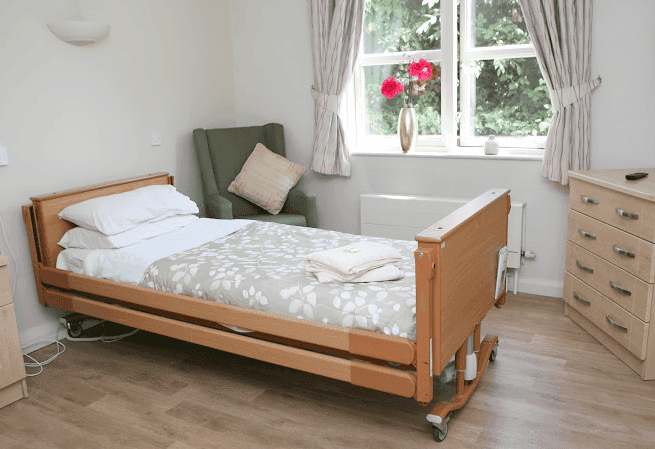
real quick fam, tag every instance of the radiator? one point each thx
(404, 216)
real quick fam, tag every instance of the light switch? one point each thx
(155, 139)
(4, 159)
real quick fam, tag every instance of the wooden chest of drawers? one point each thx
(610, 263)
(12, 369)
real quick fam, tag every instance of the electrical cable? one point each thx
(40, 365)
(61, 348)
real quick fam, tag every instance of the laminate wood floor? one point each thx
(552, 385)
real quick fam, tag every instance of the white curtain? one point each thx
(561, 33)
(336, 29)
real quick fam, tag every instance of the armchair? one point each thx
(221, 155)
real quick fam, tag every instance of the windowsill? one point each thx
(512, 154)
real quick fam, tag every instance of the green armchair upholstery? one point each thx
(221, 155)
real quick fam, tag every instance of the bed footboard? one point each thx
(456, 267)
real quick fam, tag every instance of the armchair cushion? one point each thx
(266, 179)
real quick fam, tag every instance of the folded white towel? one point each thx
(385, 273)
(351, 261)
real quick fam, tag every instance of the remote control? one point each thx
(635, 176)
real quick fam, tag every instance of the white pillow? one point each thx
(86, 239)
(112, 214)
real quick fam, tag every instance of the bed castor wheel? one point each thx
(74, 330)
(494, 353)
(441, 430)
(440, 435)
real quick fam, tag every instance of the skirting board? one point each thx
(39, 337)
(541, 287)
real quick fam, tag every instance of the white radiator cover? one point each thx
(404, 216)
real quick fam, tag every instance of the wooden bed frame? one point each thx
(456, 264)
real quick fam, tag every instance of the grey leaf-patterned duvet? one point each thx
(259, 267)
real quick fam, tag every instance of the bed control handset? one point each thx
(471, 369)
(502, 271)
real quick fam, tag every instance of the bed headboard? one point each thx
(50, 228)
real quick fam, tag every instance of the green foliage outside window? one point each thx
(511, 96)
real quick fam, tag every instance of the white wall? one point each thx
(273, 75)
(72, 116)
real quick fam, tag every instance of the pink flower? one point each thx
(391, 87)
(422, 69)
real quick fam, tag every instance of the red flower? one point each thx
(422, 69)
(391, 87)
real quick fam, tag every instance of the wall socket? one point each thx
(4, 159)
(155, 139)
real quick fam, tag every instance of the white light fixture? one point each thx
(80, 32)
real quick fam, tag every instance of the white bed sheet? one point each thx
(128, 265)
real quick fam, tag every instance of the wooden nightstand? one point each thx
(610, 263)
(12, 368)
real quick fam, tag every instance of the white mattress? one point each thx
(128, 265)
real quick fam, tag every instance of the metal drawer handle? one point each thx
(587, 234)
(588, 200)
(582, 267)
(626, 214)
(624, 252)
(583, 301)
(619, 289)
(613, 323)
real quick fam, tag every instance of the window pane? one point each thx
(382, 113)
(498, 22)
(511, 98)
(401, 25)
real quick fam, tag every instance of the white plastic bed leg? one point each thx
(471, 360)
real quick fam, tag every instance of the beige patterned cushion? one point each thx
(266, 179)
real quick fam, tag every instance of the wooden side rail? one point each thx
(389, 380)
(370, 344)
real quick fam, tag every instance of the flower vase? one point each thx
(408, 128)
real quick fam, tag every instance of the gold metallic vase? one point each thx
(408, 128)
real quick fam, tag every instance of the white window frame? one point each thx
(354, 106)
(468, 55)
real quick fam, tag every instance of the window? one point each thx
(485, 75)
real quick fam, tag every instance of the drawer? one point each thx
(606, 205)
(633, 332)
(626, 290)
(12, 367)
(606, 241)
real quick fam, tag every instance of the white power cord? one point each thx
(61, 348)
(40, 365)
